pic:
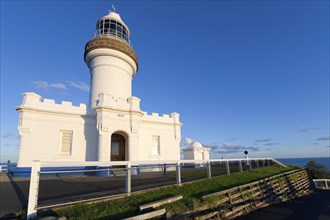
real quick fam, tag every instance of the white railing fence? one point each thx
(52, 181)
(7, 167)
(322, 183)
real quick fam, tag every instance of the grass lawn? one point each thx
(191, 192)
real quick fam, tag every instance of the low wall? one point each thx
(241, 200)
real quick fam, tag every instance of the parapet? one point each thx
(173, 118)
(106, 100)
(34, 101)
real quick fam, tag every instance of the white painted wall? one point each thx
(196, 152)
(41, 121)
(111, 72)
(40, 124)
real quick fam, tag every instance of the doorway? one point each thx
(117, 147)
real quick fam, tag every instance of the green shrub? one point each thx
(317, 170)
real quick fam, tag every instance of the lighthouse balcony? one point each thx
(112, 33)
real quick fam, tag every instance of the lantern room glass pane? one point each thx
(113, 28)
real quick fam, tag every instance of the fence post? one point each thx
(263, 163)
(257, 163)
(227, 167)
(326, 184)
(178, 173)
(268, 162)
(128, 178)
(208, 169)
(240, 168)
(34, 190)
(8, 166)
(250, 164)
(165, 172)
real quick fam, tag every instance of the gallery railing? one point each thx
(322, 183)
(62, 183)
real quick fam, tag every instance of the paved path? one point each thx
(13, 194)
(54, 190)
(314, 206)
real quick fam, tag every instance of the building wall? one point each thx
(40, 125)
(121, 115)
(196, 153)
(169, 147)
(188, 155)
(42, 120)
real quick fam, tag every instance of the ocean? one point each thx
(303, 161)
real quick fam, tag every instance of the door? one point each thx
(117, 147)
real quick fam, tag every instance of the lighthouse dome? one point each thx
(111, 25)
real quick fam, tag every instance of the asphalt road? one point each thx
(315, 206)
(13, 194)
(54, 190)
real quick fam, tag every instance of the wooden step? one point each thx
(148, 215)
(160, 202)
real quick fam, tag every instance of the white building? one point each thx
(196, 151)
(112, 127)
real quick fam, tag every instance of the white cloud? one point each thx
(305, 129)
(326, 138)
(46, 85)
(79, 85)
(229, 148)
(185, 142)
(62, 86)
(11, 145)
(10, 135)
(270, 144)
(263, 140)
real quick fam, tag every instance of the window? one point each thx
(66, 142)
(111, 27)
(155, 146)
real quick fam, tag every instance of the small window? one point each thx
(155, 146)
(66, 142)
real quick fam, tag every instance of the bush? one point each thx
(317, 170)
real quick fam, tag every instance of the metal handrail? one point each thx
(37, 165)
(116, 163)
(114, 34)
(322, 180)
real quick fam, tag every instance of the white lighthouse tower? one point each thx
(113, 127)
(110, 58)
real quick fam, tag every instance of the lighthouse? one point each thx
(112, 127)
(111, 60)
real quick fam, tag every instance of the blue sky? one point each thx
(243, 74)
